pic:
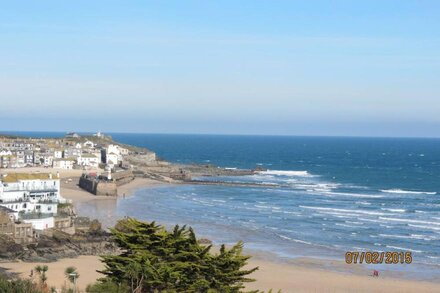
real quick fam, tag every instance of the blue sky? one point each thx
(240, 67)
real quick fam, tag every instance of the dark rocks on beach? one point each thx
(91, 241)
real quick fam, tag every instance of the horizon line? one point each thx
(9, 132)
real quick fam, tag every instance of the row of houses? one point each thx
(63, 154)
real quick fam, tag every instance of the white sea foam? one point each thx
(401, 191)
(286, 173)
(262, 206)
(393, 236)
(354, 222)
(294, 240)
(422, 237)
(339, 214)
(345, 225)
(424, 227)
(358, 195)
(345, 210)
(363, 203)
(403, 248)
(409, 221)
(372, 220)
(394, 210)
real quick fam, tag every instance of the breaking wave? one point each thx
(286, 173)
(401, 191)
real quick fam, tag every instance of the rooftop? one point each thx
(15, 177)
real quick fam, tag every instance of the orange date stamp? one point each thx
(375, 257)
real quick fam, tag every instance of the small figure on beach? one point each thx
(375, 273)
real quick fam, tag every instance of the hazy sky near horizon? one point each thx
(243, 67)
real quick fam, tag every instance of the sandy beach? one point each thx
(289, 277)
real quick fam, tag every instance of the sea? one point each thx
(322, 196)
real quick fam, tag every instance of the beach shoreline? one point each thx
(270, 275)
(302, 275)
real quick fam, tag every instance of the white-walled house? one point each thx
(34, 196)
(113, 148)
(47, 160)
(57, 154)
(113, 154)
(64, 163)
(88, 160)
(71, 152)
(5, 152)
(112, 159)
(89, 144)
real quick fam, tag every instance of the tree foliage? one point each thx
(71, 274)
(156, 260)
(18, 285)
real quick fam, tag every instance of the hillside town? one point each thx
(30, 198)
(31, 193)
(71, 152)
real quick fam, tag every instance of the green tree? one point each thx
(107, 286)
(154, 259)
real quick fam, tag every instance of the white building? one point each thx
(64, 163)
(112, 159)
(71, 153)
(47, 160)
(88, 144)
(57, 154)
(5, 152)
(113, 154)
(112, 148)
(123, 151)
(88, 160)
(34, 197)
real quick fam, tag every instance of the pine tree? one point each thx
(154, 259)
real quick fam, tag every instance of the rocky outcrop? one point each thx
(59, 245)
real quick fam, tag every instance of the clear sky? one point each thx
(239, 67)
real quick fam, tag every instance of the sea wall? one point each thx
(106, 188)
(122, 177)
(98, 187)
